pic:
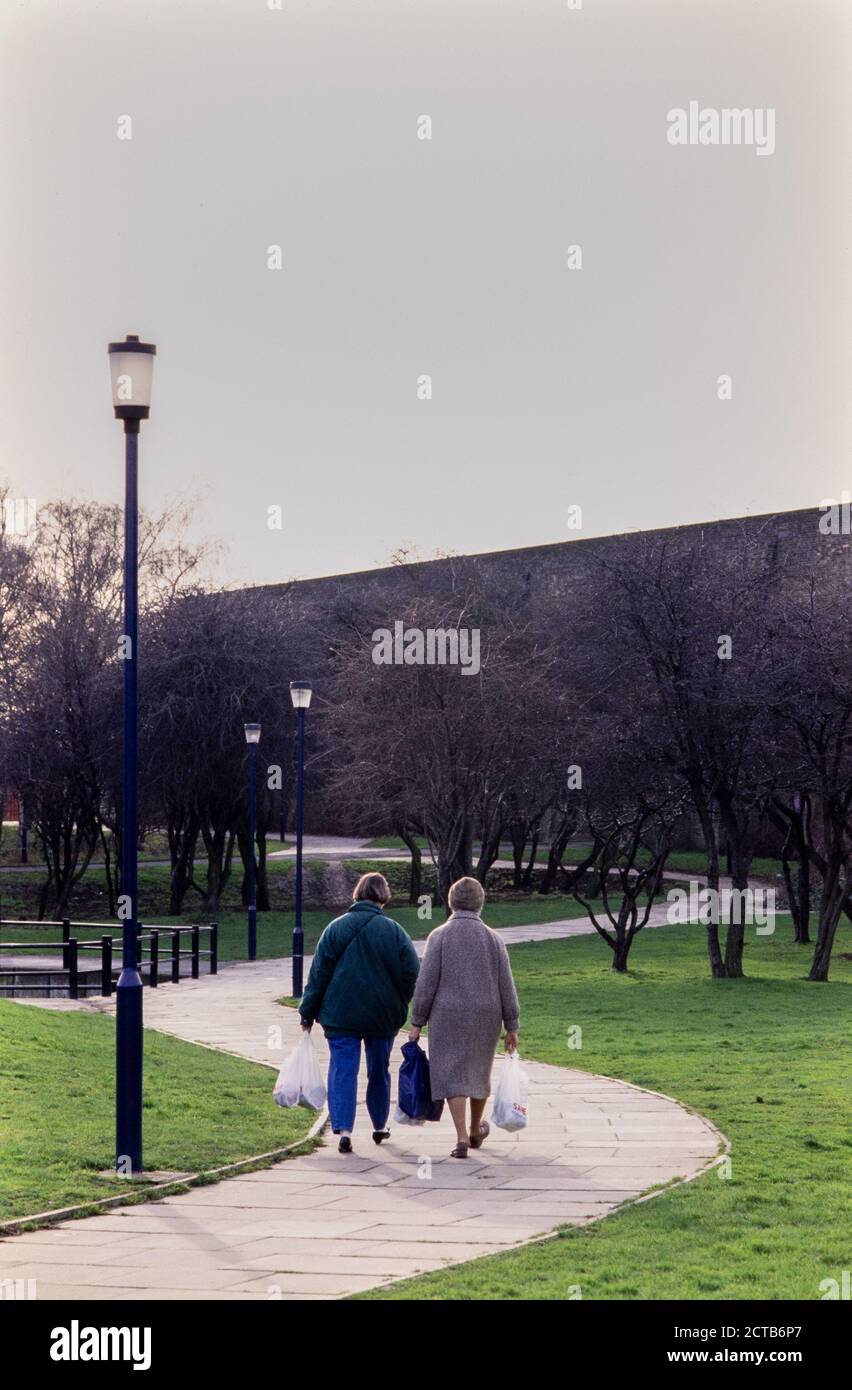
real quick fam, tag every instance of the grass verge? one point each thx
(765, 1058)
(57, 1117)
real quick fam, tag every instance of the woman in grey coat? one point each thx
(465, 991)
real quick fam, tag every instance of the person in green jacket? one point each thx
(361, 982)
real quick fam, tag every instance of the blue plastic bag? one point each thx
(416, 1105)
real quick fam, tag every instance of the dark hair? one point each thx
(372, 888)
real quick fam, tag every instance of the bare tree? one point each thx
(65, 742)
(432, 749)
(793, 817)
(633, 840)
(214, 662)
(697, 635)
(16, 596)
(816, 704)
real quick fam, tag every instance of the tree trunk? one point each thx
(73, 871)
(489, 852)
(108, 876)
(211, 901)
(415, 881)
(822, 954)
(519, 844)
(556, 853)
(530, 869)
(620, 954)
(794, 820)
(220, 849)
(454, 857)
(44, 897)
(708, 830)
(735, 938)
(798, 896)
(182, 833)
(833, 898)
(736, 826)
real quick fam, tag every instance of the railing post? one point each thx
(154, 958)
(66, 932)
(214, 948)
(176, 956)
(195, 944)
(106, 965)
(139, 947)
(73, 979)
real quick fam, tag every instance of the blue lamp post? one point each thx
(252, 732)
(300, 694)
(131, 369)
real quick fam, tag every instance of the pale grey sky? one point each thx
(551, 387)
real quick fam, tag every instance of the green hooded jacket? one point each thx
(363, 975)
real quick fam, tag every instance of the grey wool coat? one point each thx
(465, 991)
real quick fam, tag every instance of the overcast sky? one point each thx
(595, 387)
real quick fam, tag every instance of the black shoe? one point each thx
(380, 1134)
(345, 1145)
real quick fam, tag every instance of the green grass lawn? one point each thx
(394, 842)
(687, 861)
(694, 861)
(275, 929)
(57, 1108)
(690, 861)
(766, 1058)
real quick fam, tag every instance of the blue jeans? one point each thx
(344, 1061)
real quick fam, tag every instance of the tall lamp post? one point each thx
(131, 368)
(252, 739)
(300, 694)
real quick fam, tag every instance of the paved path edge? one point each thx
(724, 1150)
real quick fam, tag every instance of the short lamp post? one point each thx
(300, 694)
(252, 732)
(131, 369)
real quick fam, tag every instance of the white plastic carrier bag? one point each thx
(510, 1097)
(400, 1118)
(300, 1079)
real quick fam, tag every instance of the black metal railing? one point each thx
(71, 946)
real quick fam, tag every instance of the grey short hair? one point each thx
(467, 895)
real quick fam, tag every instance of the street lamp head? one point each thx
(131, 366)
(252, 733)
(300, 694)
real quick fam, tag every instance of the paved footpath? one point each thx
(327, 1225)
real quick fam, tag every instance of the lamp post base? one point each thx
(252, 933)
(128, 1073)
